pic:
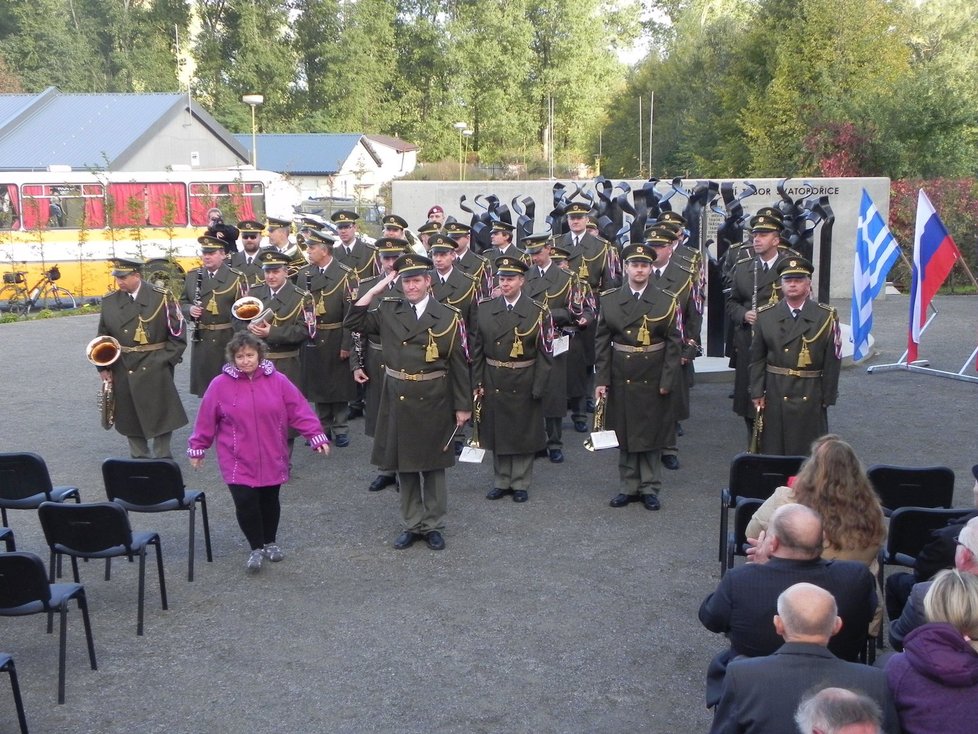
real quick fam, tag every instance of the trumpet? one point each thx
(476, 419)
(755, 435)
(103, 351)
(250, 309)
(599, 408)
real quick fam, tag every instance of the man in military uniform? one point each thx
(426, 230)
(638, 350)
(501, 237)
(426, 395)
(465, 258)
(327, 380)
(147, 323)
(351, 250)
(753, 283)
(677, 276)
(449, 284)
(208, 293)
(572, 310)
(245, 261)
(795, 359)
(511, 361)
(596, 262)
(368, 365)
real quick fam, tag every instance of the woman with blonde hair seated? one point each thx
(934, 681)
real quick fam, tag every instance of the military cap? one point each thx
(767, 220)
(250, 225)
(639, 252)
(500, 226)
(392, 220)
(673, 218)
(311, 221)
(559, 253)
(795, 267)
(507, 265)
(577, 209)
(436, 209)
(429, 227)
(536, 241)
(209, 243)
(320, 237)
(276, 222)
(412, 264)
(674, 227)
(592, 222)
(457, 229)
(391, 246)
(442, 243)
(660, 236)
(771, 211)
(123, 266)
(344, 216)
(271, 259)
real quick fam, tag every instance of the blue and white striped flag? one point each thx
(876, 251)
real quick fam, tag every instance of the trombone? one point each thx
(599, 409)
(755, 435)
(473, 441)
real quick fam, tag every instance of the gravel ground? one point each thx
(560, 615)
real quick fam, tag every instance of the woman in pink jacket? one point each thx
(247, 411)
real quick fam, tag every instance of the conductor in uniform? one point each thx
(638, 350)
(511, 360)
(795, 363)
(148, 325)
(208, 294)
(426, 395)
(326, 378)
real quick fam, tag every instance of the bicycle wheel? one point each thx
(60, 298)
(12, 300)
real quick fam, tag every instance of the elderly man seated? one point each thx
(787, 554)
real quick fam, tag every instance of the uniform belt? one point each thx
(144, 347)
(417, 377)
(329, 327)
(214, 327)
(511, 365)
(793, 373)
(645, 350)
(378, 347)
(283, 355)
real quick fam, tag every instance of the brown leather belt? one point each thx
(416, 377)
(511, 365)
(144, 347)
(331, 326)
(215, 327)
(282, 355)
(793, 373)
(645, 350)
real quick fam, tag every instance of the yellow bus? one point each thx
(80, 220)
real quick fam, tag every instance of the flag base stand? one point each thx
(921, 366)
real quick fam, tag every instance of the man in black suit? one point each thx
(761, 694)
(746, 599)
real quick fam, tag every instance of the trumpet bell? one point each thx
(103, 351)
(247, 308)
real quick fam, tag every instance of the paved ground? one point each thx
(561, 615)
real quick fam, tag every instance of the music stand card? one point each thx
(561, 345)
(472, 455)
(604, 440)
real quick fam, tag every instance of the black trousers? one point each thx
(258, 510)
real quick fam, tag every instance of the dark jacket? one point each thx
(934, 682)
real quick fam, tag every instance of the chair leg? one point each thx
(192, 511)
(142, 590)
(3, 516)
(62, 650)
(108, 569)
(159, 568)
(207, 527)
(89, 640)
(18, 701)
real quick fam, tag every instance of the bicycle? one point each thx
(20, 299)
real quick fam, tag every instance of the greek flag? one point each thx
(876, 251)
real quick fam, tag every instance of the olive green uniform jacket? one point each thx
(214, 328)
(325, 377)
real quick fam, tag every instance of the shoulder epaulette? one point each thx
(538, 304)
(391, 299)
(767, 306)
(473, 278)
(610, 290)
(237, 272)
(686, 266)
(669, 293)
(744, 258)
(789, 251)
(830, 309)
(347, 268)
(448, 305)
(159, 288)
(480, 256)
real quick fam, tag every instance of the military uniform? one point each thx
(458, 291)
(794, 365)
(151, 333)
(210, 334)
(511, 361)
(326, 378)
(426, 381)
(248, 266)
(638, 351)
(289, 331)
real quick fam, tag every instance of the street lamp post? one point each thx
(466, 134)
(460, 126)
(253, 100)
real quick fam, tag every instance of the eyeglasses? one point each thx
(249, 236)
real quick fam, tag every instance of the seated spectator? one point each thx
(934, 682)
(839, 711)
(936, 556)
(965, 560)
(746, 599)
(832, 482)
(760, 695)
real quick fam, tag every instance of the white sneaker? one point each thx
(254, 561)
(273, 552)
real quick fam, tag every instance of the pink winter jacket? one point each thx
(249, 420)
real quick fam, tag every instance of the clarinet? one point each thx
(198, 335)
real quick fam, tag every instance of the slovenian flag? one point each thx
(934, 254)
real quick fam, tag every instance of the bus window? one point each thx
(148, 204)
(237, 201)
(63, 206)
(9, 206)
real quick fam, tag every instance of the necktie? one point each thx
(541, 272)
(322, 271)
(132, 298)
(417, 314)
(212, 275)
(390, 286)
(509, 306)
(443, 280)
(795, 312)
(247, 261)
(577, 240)
(658, 274)
(765, 267)
(637, 295)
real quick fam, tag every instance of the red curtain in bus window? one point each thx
(128, 204)
(202, 197)
(167, 204)
(9, 206)
(34, 213)
(94, 206)
(244, 204)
